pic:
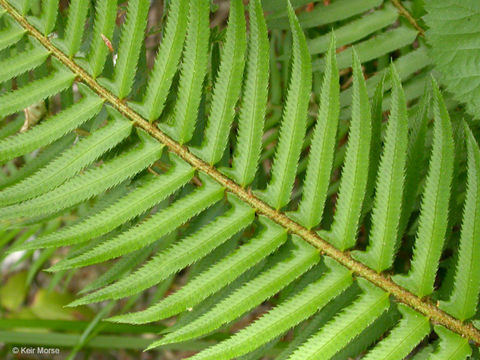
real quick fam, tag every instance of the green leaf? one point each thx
(374, 47)
(304, 330)
(354, 30)
(227, 87)
(22, 5)
(11, 127)
(451, 346)
(35, 91)
(415, 160)
(49, 15)
(159, 224)
(51, 128)
(355, 168)
(46, 155)
(129, 49)
(89, 183)
(69, 163)
(407, 65)
(105, 15)
(119, 268)
(193, 222)
(22, 62)
(166, 60)
(347, 325)
(287, 268)
(192, 73)
(403, 338)
(453, 35)
(322, 149)
(214, 278)
(151, 191)
(77, 14)
(324, 15)
(254, 100)
(11, 35)
(284, 316)
(463, 300)
(178, 255)
(292, 130)
(375, 144)
(389, 188)
(433, 218)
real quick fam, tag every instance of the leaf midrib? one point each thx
(424, 306)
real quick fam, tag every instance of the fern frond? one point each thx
(375, 145)
(433, 218)
(22, 5)
(453, 35)
(254, 100)
(151, 229)
(35, 91)
(323, 15)
(356, 29)
(89, 183)
(151, 191)
(287, 268)
(415, 159)
(52, 128)
(292, 130)
(373, 48)
(77, 14)
(347, 325)
(129, 49)
(230, 241)
(44, 255)
(320, 160)
(221, 251)
(403, 338)
(207, 304)
(284, 316)
(213, 279)
(179, 255)
(406, 66)
(389, 189)
(192, 73)
(311, 327)
(451, 346)
(69, 163)
(424, 353)
(11, 35)
(49, 15)
(463, 300)
(121, 267)
(105, 15)
(261, 352)
(22, 62)
(46, 155)
(12, 127)
(370, 336)
(166, 61)
(355, 169)
(227, 87)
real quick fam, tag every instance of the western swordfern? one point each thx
(258, 161)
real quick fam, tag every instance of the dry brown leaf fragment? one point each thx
(107, 42)
(33, 114)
